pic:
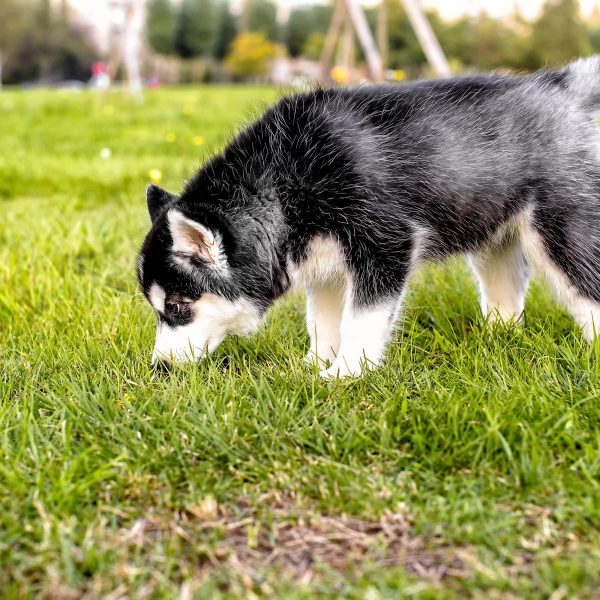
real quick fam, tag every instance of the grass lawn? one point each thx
(468, 466)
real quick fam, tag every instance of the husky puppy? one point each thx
(346, 191)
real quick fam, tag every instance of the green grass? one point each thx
(486, 443)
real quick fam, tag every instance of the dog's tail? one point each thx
(582, 78)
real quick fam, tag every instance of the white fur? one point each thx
(157, 296)
(586, 312)
(324, 274)
(421, 242)
(211, 248)
(365, 333)
(503, 278)
(503, 275)
(324, 306)
(214, 318)
(140, 267)
(324, 262)
(349, 338)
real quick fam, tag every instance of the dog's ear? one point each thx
(157, 199)
(195, 240)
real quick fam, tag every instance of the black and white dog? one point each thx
(346, 191)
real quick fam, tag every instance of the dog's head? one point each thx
(185, 272)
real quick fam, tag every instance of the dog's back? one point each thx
(458, 156)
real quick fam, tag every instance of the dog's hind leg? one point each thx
(568, 258)
(324, 307)
(503, 275)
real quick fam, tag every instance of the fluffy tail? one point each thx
(582, 78)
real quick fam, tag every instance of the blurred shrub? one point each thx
(313, 47)
(250, 55)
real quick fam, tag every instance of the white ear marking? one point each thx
(157, 297)
(194, 239)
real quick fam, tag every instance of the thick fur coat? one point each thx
(347, 190)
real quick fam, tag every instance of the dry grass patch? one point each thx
(298, 542)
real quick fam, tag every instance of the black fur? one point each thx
(374, 166)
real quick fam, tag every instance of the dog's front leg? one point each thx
(324, 307)
(365, 332)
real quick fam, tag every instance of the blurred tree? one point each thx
(72, 54)
(196, 28)
(250, 54)
(303, 24)
(479, 43)
(559, 35)
(496, 45)
(594, 34)
(261, 16)
(298, 28)
(313, 47)
(594, 28)
(43, 42)
(49, 47)
(161, 26)
(457, 39)
(13, 17)
(226, 30)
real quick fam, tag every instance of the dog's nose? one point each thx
(161, 365)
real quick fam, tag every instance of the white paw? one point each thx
(312, 360)
(319, 359)
(338, 369)
(502, 317)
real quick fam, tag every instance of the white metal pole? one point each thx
(431, 47)
(365, 38)
(132, 47)
(335, 26)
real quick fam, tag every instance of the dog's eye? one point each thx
(173, 308)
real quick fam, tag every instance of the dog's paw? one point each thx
(312, 360)
(321, 360)
(337, 370)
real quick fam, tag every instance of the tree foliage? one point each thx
(196, 28)
(161, 26)
(483, 43)
(261, 16)
(226, 30)
(12, 24)
(190, 28)
(303, 24)
(559, 35)
(39, 42)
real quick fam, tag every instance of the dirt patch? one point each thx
(296, 540)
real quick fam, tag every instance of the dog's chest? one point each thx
(324, 261)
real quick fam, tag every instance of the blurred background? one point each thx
(148, 43)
